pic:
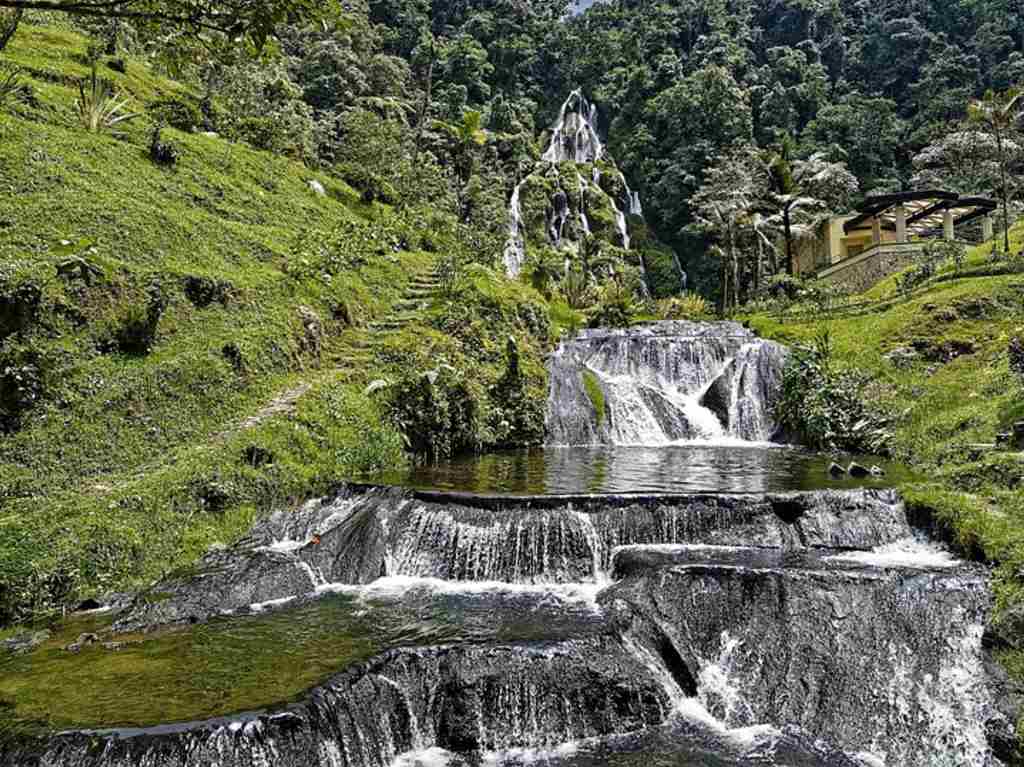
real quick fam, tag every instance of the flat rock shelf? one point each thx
(400, 627)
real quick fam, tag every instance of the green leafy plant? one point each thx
(576, 289)
(824, 405)
(688, 306)
(10, 83)
(137, 331)
(99, 108)
(615, 308)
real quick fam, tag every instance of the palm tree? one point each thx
(999, 114)
(789, 199)
(466, 135)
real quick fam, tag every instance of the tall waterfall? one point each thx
(574, 139)
(663, 383)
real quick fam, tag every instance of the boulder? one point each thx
(858, 471)
(836, 471)
(316, 188)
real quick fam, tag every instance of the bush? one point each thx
(615, 308)
(825, 406)
(178, 113)
(915, 277)
(203, 291)
(162, 152)
(137, 331)
(437, 412)
(688, 306)
(21, 384)
(371, 187)
(1016, 351)
(99, 109)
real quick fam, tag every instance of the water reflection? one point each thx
(681, 468)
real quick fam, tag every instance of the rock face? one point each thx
(883, 660)
(365, 533)
(460, 698)
(574, 192)
(665, 382)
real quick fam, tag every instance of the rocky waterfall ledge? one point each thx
(662, 383)
(813, 629)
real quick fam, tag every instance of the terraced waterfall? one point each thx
(795, 628)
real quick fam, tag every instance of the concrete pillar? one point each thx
(901, 224)
(876, 230)
(987, 229)
(947, 225)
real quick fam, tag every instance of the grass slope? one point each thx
(958, 393)
(130, 465)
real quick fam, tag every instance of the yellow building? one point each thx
(885, 234)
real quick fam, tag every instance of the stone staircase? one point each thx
(360, 351)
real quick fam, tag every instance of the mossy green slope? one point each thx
(956, 393)
(128, 465)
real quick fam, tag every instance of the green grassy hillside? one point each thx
(123, 455)
(947, 389)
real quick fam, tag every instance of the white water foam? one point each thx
(399, 586)
(913, 553)
(427, 757)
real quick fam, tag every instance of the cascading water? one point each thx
(729, 629)
(574, 137)
(515, 249)
(664, 383)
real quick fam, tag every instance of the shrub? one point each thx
(437, 412)
(137, 331)
(162, 152)
(576, 289)
(371, 187)
(688, 306)
(99, 109)
(10, 83)
(825, 406)
(21, 384)
(914, 277)
(203, 291)
(1017, 358)
(178, 113)
(615, 308)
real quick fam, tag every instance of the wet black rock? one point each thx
(365, 533)
(878, 659)
(858, 471)
(461, 698)
(835, 470)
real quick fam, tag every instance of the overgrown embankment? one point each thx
(938, 365)
(185, 347)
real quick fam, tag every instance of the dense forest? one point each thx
(831, 101)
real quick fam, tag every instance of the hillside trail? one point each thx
(358, 348)
(351, 358)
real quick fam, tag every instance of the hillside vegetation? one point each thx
(938, 374)
(183, 348)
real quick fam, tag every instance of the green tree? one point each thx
(256, 20)
(999, 114)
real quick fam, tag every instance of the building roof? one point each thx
(925, 210)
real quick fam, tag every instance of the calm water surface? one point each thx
(674, 469)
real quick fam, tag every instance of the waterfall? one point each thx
(515, 249)
(574, 137)
(664, 383)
